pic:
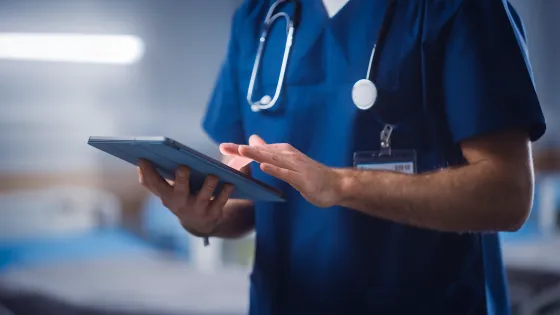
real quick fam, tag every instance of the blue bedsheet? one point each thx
(95, 244)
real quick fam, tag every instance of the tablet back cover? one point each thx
(167, 155)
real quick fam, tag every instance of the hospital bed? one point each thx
(82, 262)
(143, 284)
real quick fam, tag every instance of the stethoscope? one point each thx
(364, 91)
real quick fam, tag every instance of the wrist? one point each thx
(236, 221)
(198, 234)
(204, 236)
(209, 232)
(343, 187)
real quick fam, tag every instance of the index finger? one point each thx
(271, 155)
(229, 149)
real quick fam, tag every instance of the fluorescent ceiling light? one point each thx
(77, 48)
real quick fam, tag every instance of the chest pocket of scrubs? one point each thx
(304, 68)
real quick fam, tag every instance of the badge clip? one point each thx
(386, 140)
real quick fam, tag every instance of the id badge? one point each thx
(387, 159)
(403, 161)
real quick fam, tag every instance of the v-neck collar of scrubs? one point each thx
(351, 19)
(358, 23)
(312, 23)
(334, 6)
(314, 20)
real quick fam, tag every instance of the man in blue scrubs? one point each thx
(453, 79)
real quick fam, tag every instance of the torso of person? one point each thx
(310, 260)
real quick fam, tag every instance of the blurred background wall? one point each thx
(49, 109)
(542, 23)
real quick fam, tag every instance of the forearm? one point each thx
(238, 219)
(476, 197)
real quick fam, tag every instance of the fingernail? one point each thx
(181, 173)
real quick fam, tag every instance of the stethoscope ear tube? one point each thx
(381, 38)
(364, 91)
(297, 13)
(267, 102)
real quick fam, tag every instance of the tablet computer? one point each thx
(167, 155)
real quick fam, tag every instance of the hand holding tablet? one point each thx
(201, 186)
(199, 214)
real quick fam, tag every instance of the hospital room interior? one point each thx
(79, 235)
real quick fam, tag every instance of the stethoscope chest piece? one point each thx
(265, 101)
(364, 94)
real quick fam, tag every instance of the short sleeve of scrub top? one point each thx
(222, 121)
(487, 80)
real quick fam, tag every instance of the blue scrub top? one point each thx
(448, 71)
